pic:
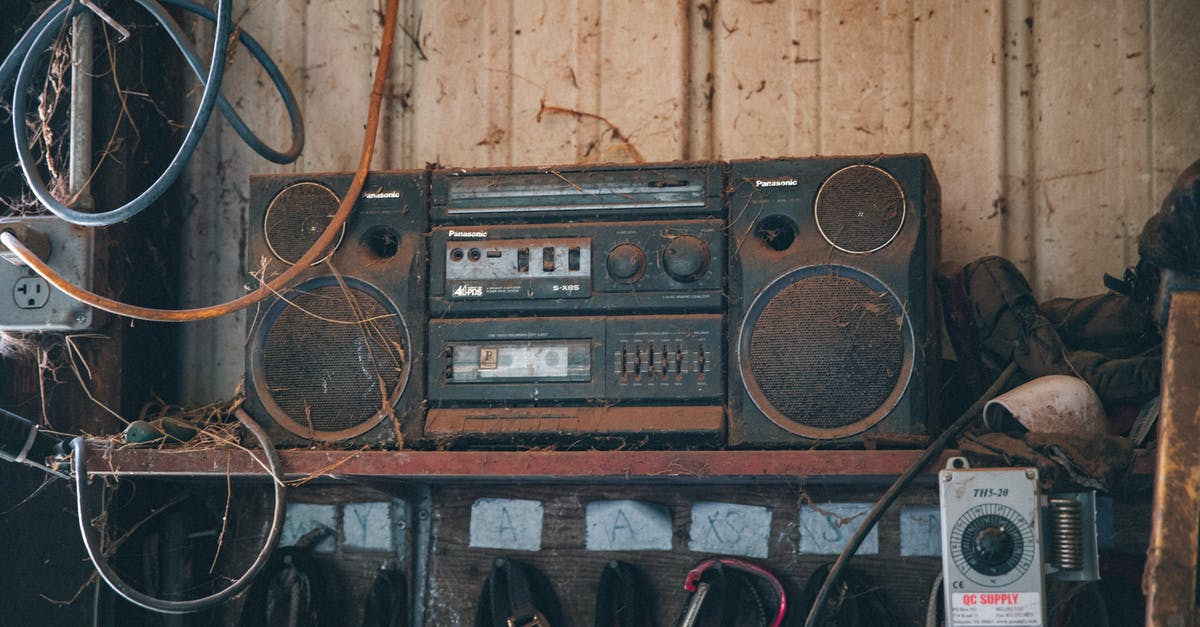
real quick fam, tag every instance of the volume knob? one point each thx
(993, 546)
(685, 258)
(626, 263)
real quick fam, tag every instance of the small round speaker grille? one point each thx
(860, 209)
(826, 351)
(325, 356)
(296, 217)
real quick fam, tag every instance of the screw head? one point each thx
(947, 476)
(1029, 474)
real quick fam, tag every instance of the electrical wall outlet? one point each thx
(31, 292)
(27, 301)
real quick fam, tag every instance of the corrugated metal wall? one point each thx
(1055, 126)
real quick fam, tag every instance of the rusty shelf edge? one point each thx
(527, 465)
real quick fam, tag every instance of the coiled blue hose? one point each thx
(36, 40)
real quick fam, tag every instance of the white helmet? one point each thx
(1051, 404)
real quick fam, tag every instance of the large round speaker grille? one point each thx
(826, 351)
(860, 209)
(296, 217)
(324, 353)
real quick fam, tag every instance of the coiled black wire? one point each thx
(22, 60)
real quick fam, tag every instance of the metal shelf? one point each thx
(541, 466)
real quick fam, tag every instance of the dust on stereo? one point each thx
(761, 303)
(337, 359)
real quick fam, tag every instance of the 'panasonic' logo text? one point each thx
(375, 195)
(468, 234)
(788, 182)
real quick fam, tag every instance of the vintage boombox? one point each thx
(577, 301)
(764, 303)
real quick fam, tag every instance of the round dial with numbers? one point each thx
(626, 263)
(992, 545)
(685, 258)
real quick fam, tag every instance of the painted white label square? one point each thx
(367, 526)
(920, 531)
(302, 518)
(730, 529)
(628, 526)
(512, 524)
(826, 529)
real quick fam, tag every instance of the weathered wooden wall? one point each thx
(1055, 127)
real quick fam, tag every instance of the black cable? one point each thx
(91, 540)
(22, 441)
(885, 501)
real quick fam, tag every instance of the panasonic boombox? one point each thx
(755, 304)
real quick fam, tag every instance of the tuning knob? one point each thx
(626, 263)
(685, 258)
(994, 546)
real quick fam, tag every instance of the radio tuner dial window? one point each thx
(626, 263)
(685, 258)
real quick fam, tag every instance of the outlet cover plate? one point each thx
(23, 305)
